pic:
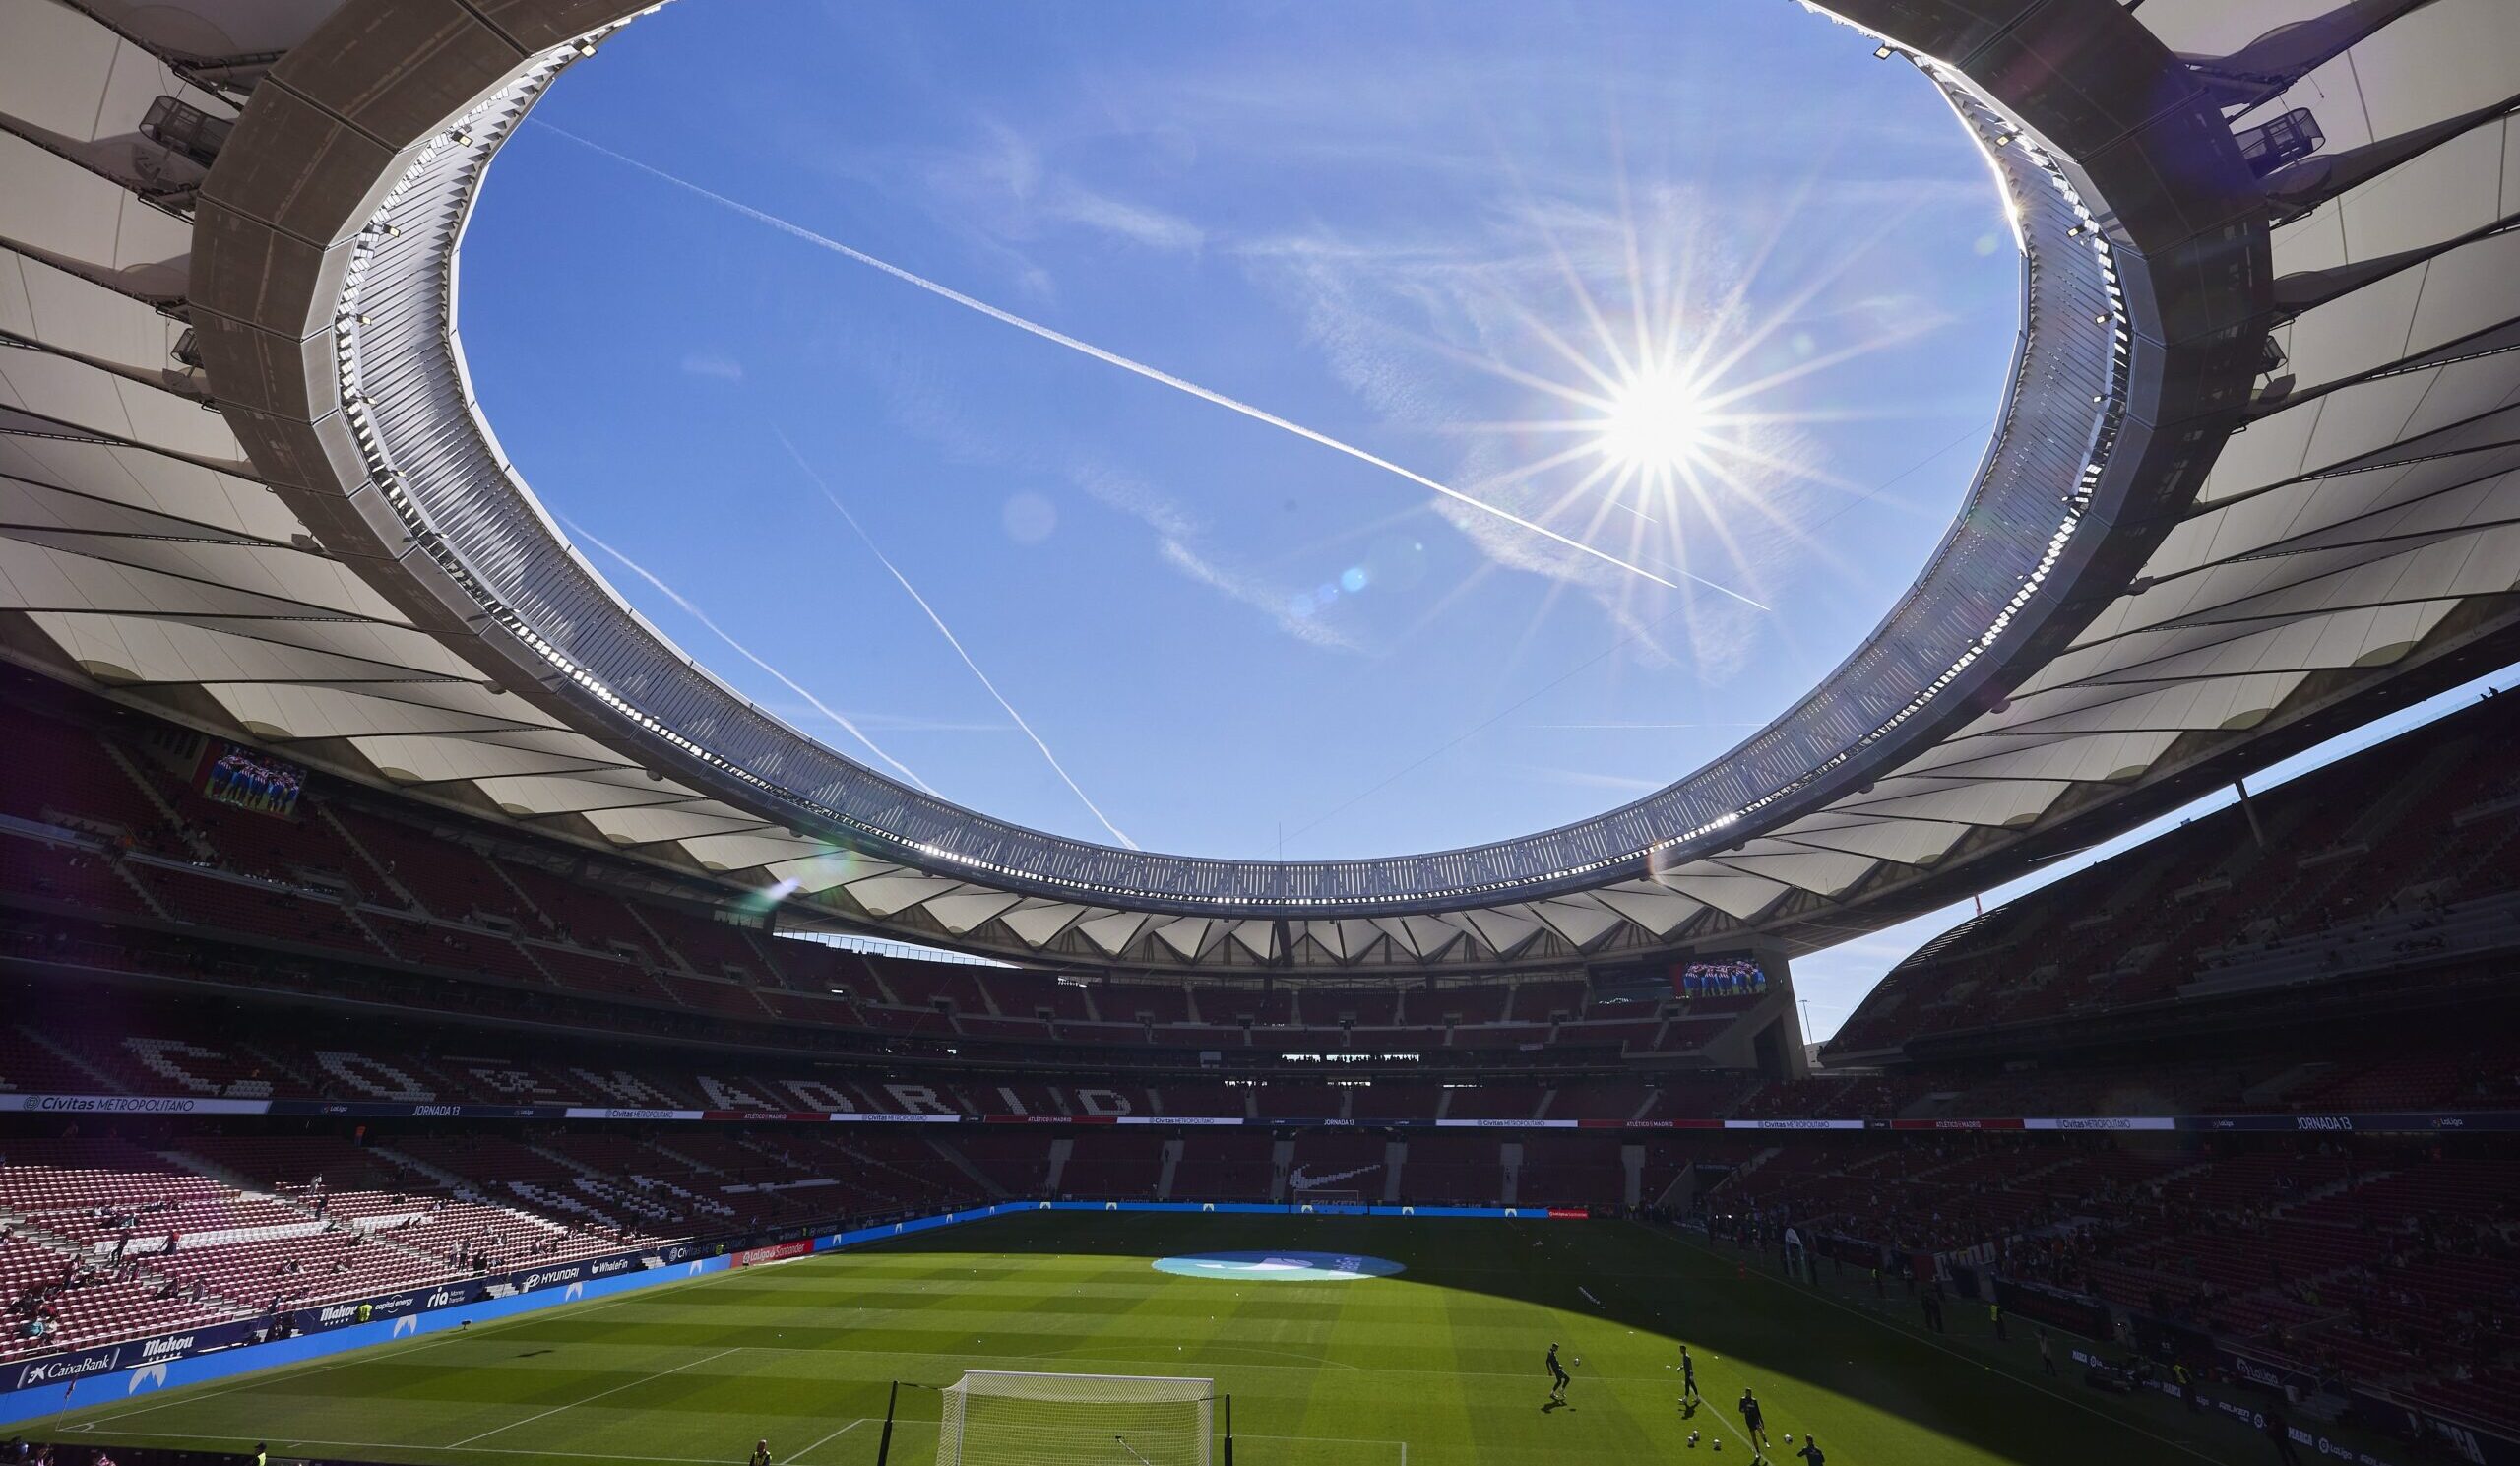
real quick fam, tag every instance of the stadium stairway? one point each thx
(157, 797)
(374, 868)
(256, 1188)
(41, 1039)
(414, 1163)
(954, 1158)
(568, 1164)
(98, 1311)
(698, 1166)
(2322, 1193)
(672, 956)
(132, 882)
(200, 1164)
(561, 1204)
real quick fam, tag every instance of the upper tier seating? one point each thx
(2409, 835)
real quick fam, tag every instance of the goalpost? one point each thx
(1005, 1418)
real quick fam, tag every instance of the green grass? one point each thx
(1440, 1364)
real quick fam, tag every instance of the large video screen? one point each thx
(252, 780)
(1725, 977)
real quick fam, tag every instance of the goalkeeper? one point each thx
(1557, 1376)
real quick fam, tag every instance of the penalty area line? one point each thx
(253, 1380)
(469, 1451)
(396, 1349)
(1332, 1440)
(591, 1399)
(819, 1444)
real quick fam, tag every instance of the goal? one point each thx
(1002, 1418)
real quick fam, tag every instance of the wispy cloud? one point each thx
(1004, 190)
(1134, 368)
(1589, 779)
(1178, 545)
(1180, 542)
(1139, 223)
(953, 641)
(1396, 312)
(713, 365)
(901, 723)
(689, 608)
(1655, 727)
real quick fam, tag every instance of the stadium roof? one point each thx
(2254, 474)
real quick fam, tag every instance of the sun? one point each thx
(1654, 422)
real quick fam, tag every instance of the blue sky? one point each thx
(1057, 590)
(1069, 594)
(1393, 225)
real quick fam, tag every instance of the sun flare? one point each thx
(1655, 423)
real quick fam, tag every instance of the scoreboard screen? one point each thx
(1702, 975)
(1718, 977)
(251, 780)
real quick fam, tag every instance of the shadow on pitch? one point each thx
(1735, 1318)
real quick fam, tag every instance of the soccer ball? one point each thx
(1579, 1359)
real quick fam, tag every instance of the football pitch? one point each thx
(1439, 1362)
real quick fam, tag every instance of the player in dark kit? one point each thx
(1754, 1422)
(1811, 1452)
(1689, 1378)
(1557, 1376)
(760, 1453)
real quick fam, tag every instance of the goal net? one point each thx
(995, 1417)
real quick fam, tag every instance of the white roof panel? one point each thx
(158, 565)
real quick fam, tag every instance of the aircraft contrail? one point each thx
(790, 683)
(953, 641)
(1111, 359)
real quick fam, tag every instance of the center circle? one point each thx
(1278, 1267)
